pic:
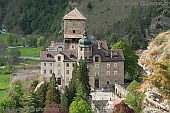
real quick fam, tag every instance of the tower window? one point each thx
(59, 58)
(74, 31)
(96, 59)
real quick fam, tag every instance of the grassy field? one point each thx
(29, 51)
(4, 84)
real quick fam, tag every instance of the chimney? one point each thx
(52, 44)
(98, 45)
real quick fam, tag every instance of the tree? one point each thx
(131, 60)
(64, 99)
(79, 78)
(80, 106)
(33, 86)
(134, 85)
(134, 98)
(122, 108)
(16, 95)
(15, 53)
(6, 103)
(40, 41)
(2, 52)
(89, 5)
(41, 91)
(52, 94)
(160, 78)
(33, 103)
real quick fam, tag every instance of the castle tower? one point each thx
(74, 25)
(84, 48)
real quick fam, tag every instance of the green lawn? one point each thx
(4, 84)
(29, 51)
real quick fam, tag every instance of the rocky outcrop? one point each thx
(157, 51)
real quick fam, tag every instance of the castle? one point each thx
(105, 66)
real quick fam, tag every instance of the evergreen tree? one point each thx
(33, 85)
(81, 93)
(41, 92)
(64, 99)
(72, 85)
(53, 94)
(33, 103)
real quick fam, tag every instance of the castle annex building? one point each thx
(105, 66)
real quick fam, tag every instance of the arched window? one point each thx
(59, 81)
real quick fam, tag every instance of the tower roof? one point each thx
(85, 41)
(74, 14)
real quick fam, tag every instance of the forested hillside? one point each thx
(106, 19)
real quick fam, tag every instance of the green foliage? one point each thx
(131, 60)
(41, 92)
(15, 53)
(6, 103)
(133, 86)
(16, 95)
(4, 84)
(79, 87)
(79, 107)
(33, 85)
(34, 102)
(8, 69)
(89, 5)
(64, 99)
(52, 94)
(40, 41)
(12, 39)
(135, 100)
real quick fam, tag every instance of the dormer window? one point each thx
(74, 31)
(71, 55)
(115, 54)
(48, 55)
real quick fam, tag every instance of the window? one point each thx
(96, 59)
(67, 71)
(67, 64)
(59, 64)
(44, 64)
(108, 65)
(59, 81)
(73, 64)
(81, 48)
(85, 57)
(51, 64)
(115, 65)
(74, 31)
(89, 48)
(44, 71)
(108, 72)
(115, 72)
(107, 82)
(51, 71)
(59, 72)
(59, 58)
(85, 49)
(96, 74)
(96, 65)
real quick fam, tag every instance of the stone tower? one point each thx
(74, 26)
(84, 48)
